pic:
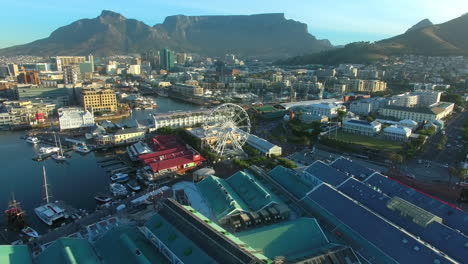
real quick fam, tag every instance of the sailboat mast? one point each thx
(45, 184)
(60, 146)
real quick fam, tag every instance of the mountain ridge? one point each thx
(265, 35)
(446, 39)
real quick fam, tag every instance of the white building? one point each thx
(325, 109)
(367, 106)
(397, 133)
(408, 123)
(405, 100)
(361, 127)
(419, 114)
(183, 120)
(134, 69)
(70, 118)
(416, 99)
(265, 147)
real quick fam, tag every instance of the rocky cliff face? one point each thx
(264, 35)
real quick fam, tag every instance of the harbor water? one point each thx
(74, 181)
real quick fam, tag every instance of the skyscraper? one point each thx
(166, 59)
(71, 74)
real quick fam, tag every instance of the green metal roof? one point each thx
(239, 193)
(228, 235)
(293, 239)
(290, 180)
(126, 244)
(251, 191)
(177, 242)
(68, 250)
(14, 254)
(223, 200)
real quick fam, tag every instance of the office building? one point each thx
(167, 58)
(71, 74)
(61, 61)
(29, 77)
(99, 100)
(362, 127)
(418, 114)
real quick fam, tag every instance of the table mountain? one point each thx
(262, 35)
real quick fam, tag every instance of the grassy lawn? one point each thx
(370, 142)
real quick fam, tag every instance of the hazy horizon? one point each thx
(341, 23)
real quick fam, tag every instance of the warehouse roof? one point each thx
(223, 200)
(326, 173)
(14, 254)
(126, 244)
(397, 246)
(290, 180)
(292, 239)
(451, 215)
(186, 250)
(440, 236)
(68, 250)
(348, 166)
(239, 193)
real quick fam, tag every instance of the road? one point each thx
(432, 164)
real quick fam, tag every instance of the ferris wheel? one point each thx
(227, 128)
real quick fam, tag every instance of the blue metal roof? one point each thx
(438, 235)
(451, 216)
(398, 245)
(326, 173)
(358, 171)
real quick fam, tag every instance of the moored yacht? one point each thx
(32, 140)
(50, 211)
(120, 177)
(48, 150)
(118, 189)
(82, 149)
(59, 156)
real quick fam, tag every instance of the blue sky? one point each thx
(340, 21)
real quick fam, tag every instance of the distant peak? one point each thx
(421, 24)
(108, 13)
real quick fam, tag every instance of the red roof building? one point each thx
(171, 155)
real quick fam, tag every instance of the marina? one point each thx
(75, 181)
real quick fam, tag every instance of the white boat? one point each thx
(118, 189)
(120, 177)
(32, 140)
(48, 150)
(30, 232)
(134, 186)
(59, 155)
(103, 198)
(50, 211)
(82, 149)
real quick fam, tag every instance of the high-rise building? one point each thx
(181, 58)
(99, 100)
(14, 71)
(28, 77)
(91, 61)
(61, 61)
(166, 57)
(71, 74)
